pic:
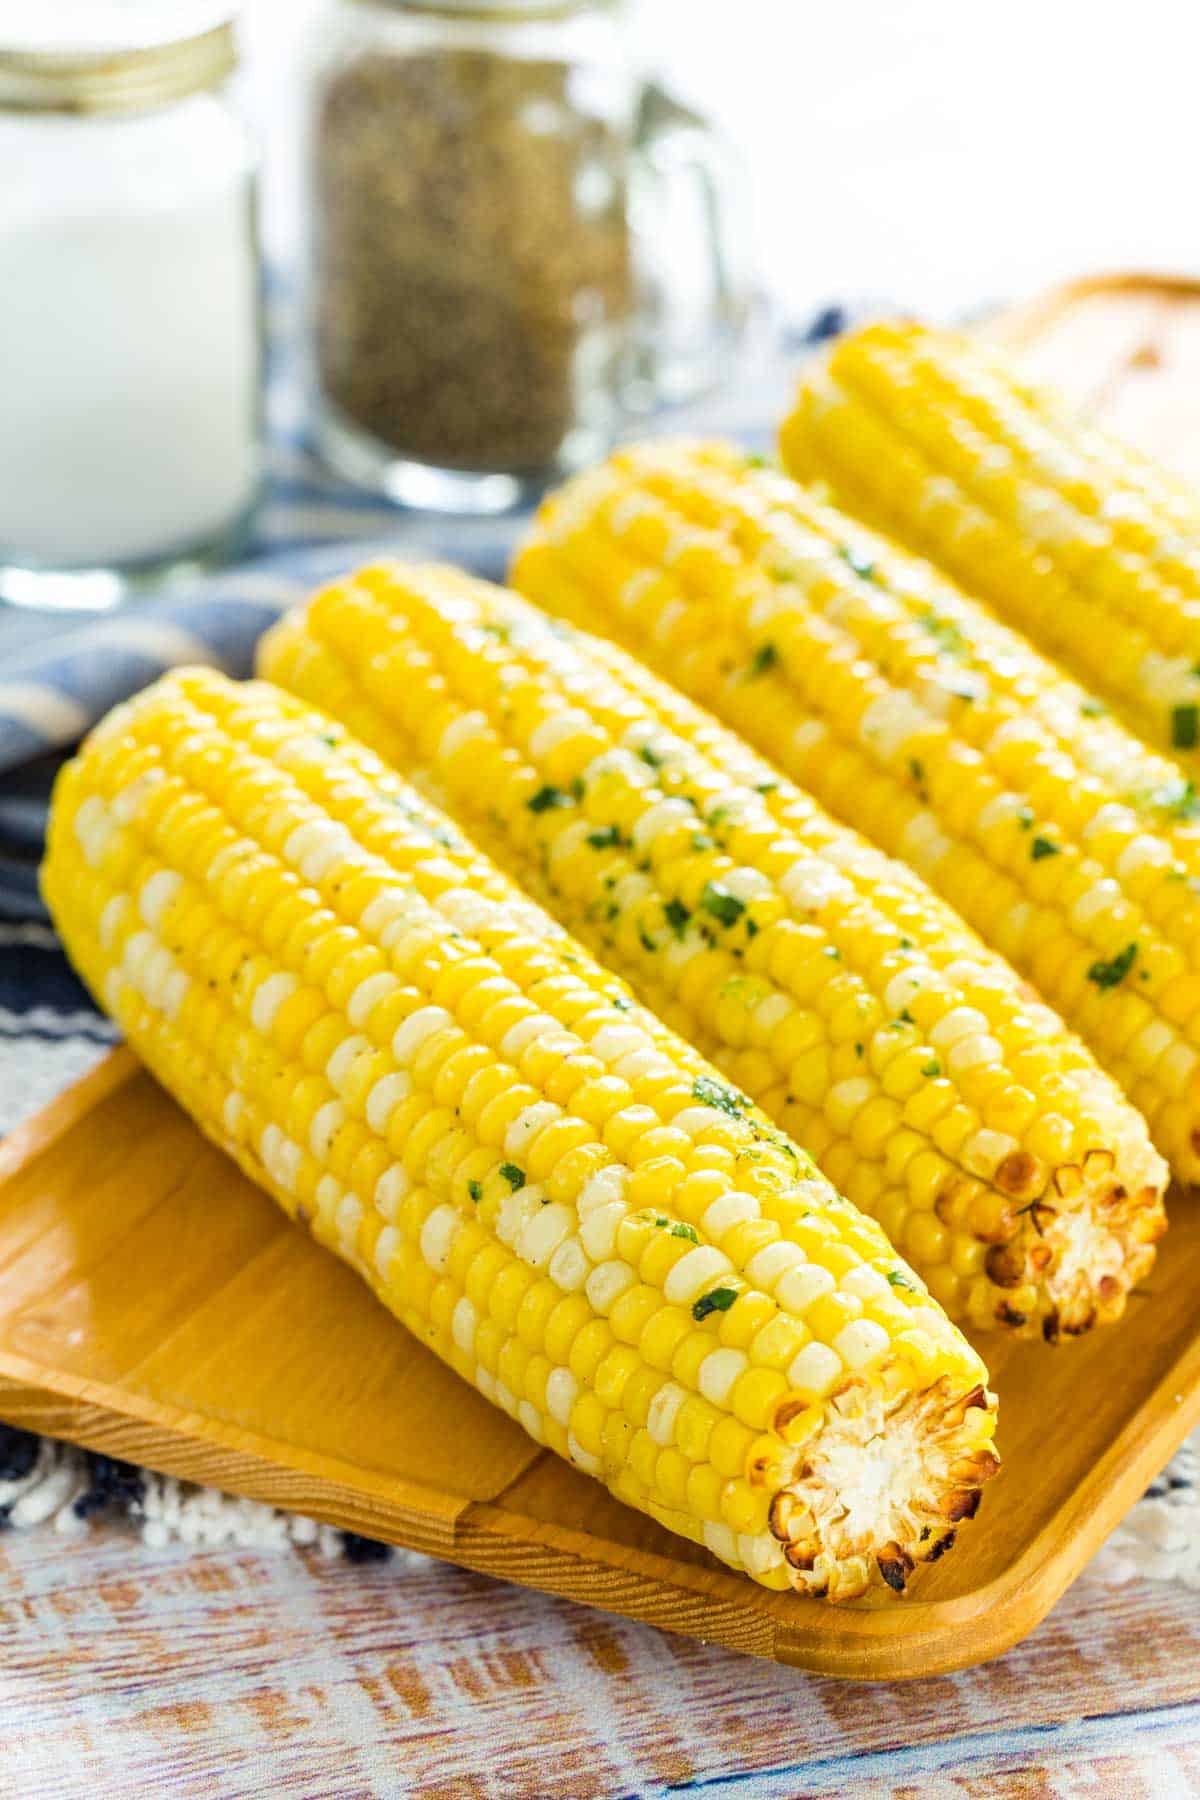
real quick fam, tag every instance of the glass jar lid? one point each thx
(111, 55)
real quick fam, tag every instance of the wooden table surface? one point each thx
(133, 1671)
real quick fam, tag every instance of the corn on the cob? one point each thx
(549, 1188)
(1084, 545)
(907, 710)
(826, 981)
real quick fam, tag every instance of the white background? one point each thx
(941, 151)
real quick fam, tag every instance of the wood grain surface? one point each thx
(127, 1671)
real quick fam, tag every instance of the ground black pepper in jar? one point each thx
(473, 287)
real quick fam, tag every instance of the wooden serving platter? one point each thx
(155, 1305)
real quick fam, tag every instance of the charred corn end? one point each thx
(534, 1174)
(1088, 547)
(912, 714)
(826, 981)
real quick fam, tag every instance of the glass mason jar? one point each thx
(130, 342)
(488, 179)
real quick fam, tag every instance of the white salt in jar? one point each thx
(130, 429)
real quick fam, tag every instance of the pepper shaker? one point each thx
(478, 296)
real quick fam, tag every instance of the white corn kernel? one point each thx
(416, 1029)
(797, 1290)
(438, 1234)
(337, 1069)
(385, 1096)
(861, 1342)
(608, 1184)
(531, 1419)
(865, 1283)
(718, 1372)
(544, 1232)
(348, 1219)
(367, 995)
(693, 1272)
(606, 1283)
(327, 1121)
(561, 1389)
(390, 1191)
(387, 1244)
(269, 997)
(814, 1369)
(660, 1419)
(733, 1208)
(721, 1541)
(767, 1265)
(111, 920)
(157, 894)
(462, 1324)
(527, 1124)
(583, 1459)
(569, 1267)
(598, 1232)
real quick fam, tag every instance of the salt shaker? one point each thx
(130, 342)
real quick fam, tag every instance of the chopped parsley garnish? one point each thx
(1093, 709)
(897, 1278)
(604, 837)
(648, 942)
(515, 1177)
(547, 797)
(755, 460)
(1185, 727)
(327, 737)
(861, 564)
(932, 1069)
(715, 1093)
(716, 1300)
(945, 633)
(678, 1229)
(1025, 819)
(475, 1189)
(832, 951)
(650, 757)
(858, 1050)
(916, 769)
(764, 658)
(765, 787)
(621, 1004)
(677, 916)
(1041, 847)
(1112, 973)
(725, 907)
(1179, 800)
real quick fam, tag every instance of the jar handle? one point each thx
(692, 265)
